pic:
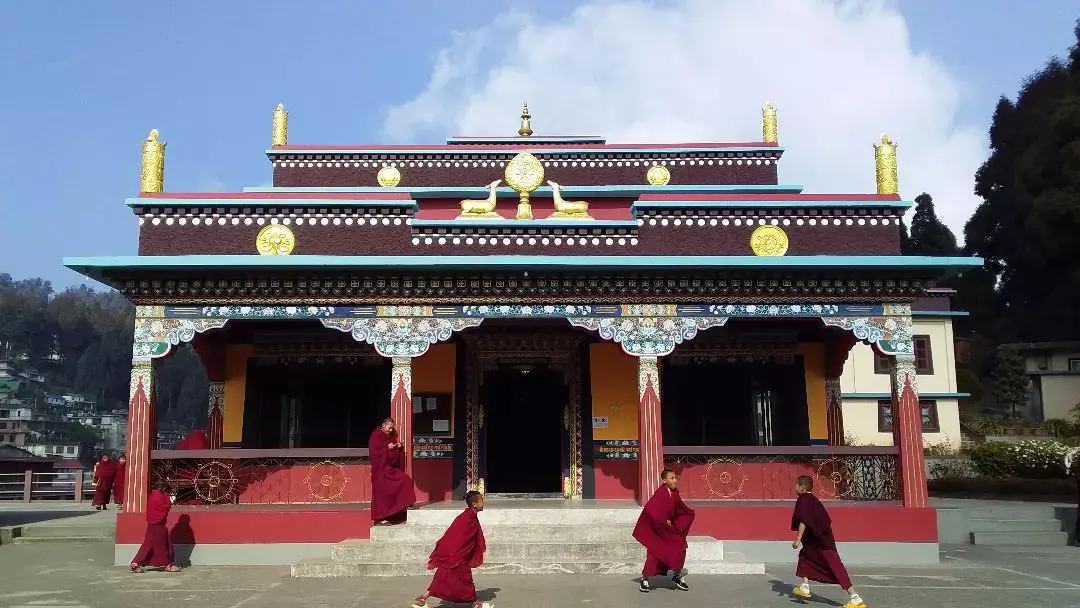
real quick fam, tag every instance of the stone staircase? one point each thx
(33, 534)
(520, 540)
(1030, 524)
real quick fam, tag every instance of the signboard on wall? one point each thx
(599, 422)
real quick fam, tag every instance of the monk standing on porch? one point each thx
(818, 559)
(392, 491)
(104, 478)
(662, 528)
(460, 549)
(118, 485)
(156, 550)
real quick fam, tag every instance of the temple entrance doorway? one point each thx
(524, 406)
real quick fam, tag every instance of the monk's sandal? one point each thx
(644, 586)
(680, 584)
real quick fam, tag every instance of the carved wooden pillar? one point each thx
(650, 436)
(142, 436)
(907, 431)
(836, 354)
(401, 406)
(211, 350)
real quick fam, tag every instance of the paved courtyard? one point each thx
(79, 575)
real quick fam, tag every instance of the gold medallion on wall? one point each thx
(275, 239)
(389, 177)
(524, 173)
(658, 175)
(769, 240)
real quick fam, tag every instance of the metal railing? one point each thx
(70, 486)
(769, 473)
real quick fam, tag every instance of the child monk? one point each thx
(662, 528)
(156, 550)
(104, 477)
(818, 559)
(460, 549)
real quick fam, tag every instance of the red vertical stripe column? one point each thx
(834, 411)
(142, 436)
(907, 431)
(401, 409)
(215, 415)
(650, 437)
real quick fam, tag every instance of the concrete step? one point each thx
(1054, 539)
(1031, 511)
(414, 532)
(27, 540)
(327, 568)
(699, 549)
(65, 531)
(539, 515)
(1015, 525)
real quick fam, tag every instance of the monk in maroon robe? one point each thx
(460, 549)
(104, 478)
(818, 558)
(392, 491)
(662, 528)
(185, 476)
(195, 441)
(118, 484)
(156, 550)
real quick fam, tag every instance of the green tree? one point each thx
(1010, 382)
(928, 235)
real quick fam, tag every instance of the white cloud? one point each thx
(841, 73)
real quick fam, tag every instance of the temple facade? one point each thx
(542, 316)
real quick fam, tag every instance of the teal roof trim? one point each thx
(95, 266)
(940, 313)
(539, 151)
(517, 224)
(524, 141)
(922, 395)
(567, 191)
(270, 202)
(692, 204)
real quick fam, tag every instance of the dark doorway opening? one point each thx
(737, 402)
(524, 438)
(314, 404)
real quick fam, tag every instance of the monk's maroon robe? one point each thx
(157, 548)
(185, 476)
(665, 544)
(104, 478)
(818, 560)
(392, 491)
(119, 483)
(460, 549)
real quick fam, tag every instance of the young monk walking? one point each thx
(104, 478)
(156, 550)
(662, 528)
(460, 549)
(392, 491)
(818, 558)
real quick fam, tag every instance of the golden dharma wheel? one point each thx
(524, 173)
(214, 481)
(275, 239)
(389, 177)
(769, 240)
(658, 175)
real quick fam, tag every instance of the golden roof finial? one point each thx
(768, 123)
(885, 166)
(153, 164)
(280, 135)
(526, 122)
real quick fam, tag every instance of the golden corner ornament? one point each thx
(658, 175)
(769, 240)
(389, 177)
(275, 239)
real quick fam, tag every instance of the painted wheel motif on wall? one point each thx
(326, 481)
(725, 478)
(215, 481)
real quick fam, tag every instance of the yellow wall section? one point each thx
(814, 368)
(236, 363)
(435, 372)
(615, 390)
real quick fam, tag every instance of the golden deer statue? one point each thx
(564, 209)
(481, 209)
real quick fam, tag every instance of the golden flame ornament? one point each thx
(275, 239)
(768, 123)
(769, 240)
(885, 166)
(280, 135)
(153, 164)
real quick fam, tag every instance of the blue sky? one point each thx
(82, 86)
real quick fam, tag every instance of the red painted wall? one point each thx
(616, 479)
(875, 523)
(755, 480)
(209, 526)
(299, 483)
(434, 479)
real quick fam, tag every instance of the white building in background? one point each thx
(56, 449)
(111, 426)
(1053, 369)
(14, 423)
(865, 384)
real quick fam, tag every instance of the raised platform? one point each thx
(592, 532)
(544, 536)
